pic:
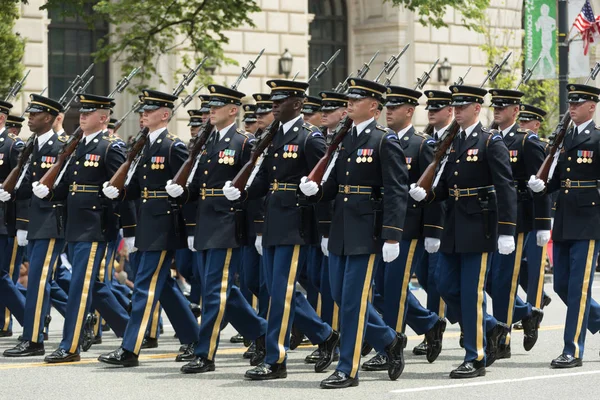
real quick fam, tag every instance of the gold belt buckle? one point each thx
(203, 193)
(275, 186)
(346, 189)
(456, 194)
(568, 183)
(145, 194)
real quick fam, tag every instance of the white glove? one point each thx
(173, 189)
(324, 243)
(4, 195)
(130, 244)
(432, 245)
(258, 244)
(417, 192)
(309, 188)
(390, 251)
(536, 184)
(542, 238)
(506, 244)
(22, 237)
(232, 193)
(110, 191)
(40, 190)
(190, 242)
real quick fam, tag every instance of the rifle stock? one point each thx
(9, 184)
(339, 133)
(50, 176)
(427, 178)
(185, 170)
(119, 178)
(559, 135)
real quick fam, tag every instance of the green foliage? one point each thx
(432, 12)
(12, 47)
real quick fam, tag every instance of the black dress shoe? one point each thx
(149, 343)
(121, 357)
(420, 349)
(503, 352)
(327, 351)
(339, 380)
(546, 300)
(62, 356)
(97, 340)
(313, 357)
(518, 326)
(377, 363)
(531, 324)
(198, 366)
(26, 349)
(250, 352)
(263, 372)
(365, 349)
(260, 351)
(494, 337)
(296, 338)
(87, 334)
(237, 339)
(6, 333)
(105, 328)
(196, 310)
(434, 340)
(566, 361)
(188, 353)
(468, 369)
(395, 353)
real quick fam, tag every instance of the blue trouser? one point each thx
(153, 282)
(351, 278)
(11, 300)
(574, 267)
(532, 277)
(43, 255)
(317, 272)
(253, 277)
(426, 272)
(461, 284)
(58, 297)
(186, 261)
(105, 275)
(281, 272)
(221, 298)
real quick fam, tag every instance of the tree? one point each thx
(12, 47)
(431, 12)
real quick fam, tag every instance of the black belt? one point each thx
(75, 188)
(351, 189)
(468, 192)
(569, 184)
(154, 194)
(283, 187)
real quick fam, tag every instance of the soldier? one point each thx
(311, 110)
(333, 109)
(250, 121)
(295, 149)
(476, 174)
(44, 227)
(264, 110)
(526, 156)
(160, 231)
(576, 222)
(14, 124)
(369, 184)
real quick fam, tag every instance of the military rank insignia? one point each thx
(92, 160)
(364, 155)
(47, 161)
(584, 156)
(290, 151)
(158, 163)
(408, 161)
(1, 158)
(472, 154)
(227, 157)
(513, 155)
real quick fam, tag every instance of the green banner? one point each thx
(541, 31)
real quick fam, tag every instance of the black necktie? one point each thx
(461, 139)
(213, 138)
(354, 136)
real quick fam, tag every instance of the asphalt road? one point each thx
(524, 376)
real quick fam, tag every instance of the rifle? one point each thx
(186, 100)
(187, 78)
(197, 143)
(80, 90)
(324, 66)
(428, 176)
(124, 82)
(119, 179)
(343, 86)
(295, 76)
(461, 79)
(16, 87)
(11, 181)
(425, 77)
(77, 81)
(388, 79)
(389, 65)
(124, 117)
(559, 133)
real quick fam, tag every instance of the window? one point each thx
(329, 32)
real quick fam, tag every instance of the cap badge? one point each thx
(455, 90)
(273, 84)
(259, 97)
(212, 89)
(352, 82)
(430, 94)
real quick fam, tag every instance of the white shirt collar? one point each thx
(470, 129)
(223, 131)
(288, 125)
(361, 127)
(402, 132)
(61, 132)
(89, 138)
(2, 130)
(42, 139)
(155, 134)
(505, 131)
(583, 125)
(441, 131)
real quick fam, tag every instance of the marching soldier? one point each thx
(250, 121)
(160, 231)
(576, 222)
(14, 124)
(311, 110)
(264, 110)
(295, 149)
(369, 184)
(476, 174)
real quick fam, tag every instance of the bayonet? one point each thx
(124, 82)
(388, 66)
(16, 88)
(425, 77)
(187, 78)
(324, 66)
(493, 73)
(247, 70)
(527, 74)
(461, 79)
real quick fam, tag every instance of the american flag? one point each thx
(587, 25)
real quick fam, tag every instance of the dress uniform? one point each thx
(249, 118)
(311, 105)
(368, 184)
(45, 231)
(574, 174)
(14, 124)
(160, 231)
(476, 174)
(290, 225)
(421, 224)
(526, 156)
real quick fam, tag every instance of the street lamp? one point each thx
(444, 71)
(285, 63)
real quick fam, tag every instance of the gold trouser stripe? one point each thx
(585, 287)
(540, 288)
(41, 288)
(480, 311)
(319, 305)
(289, 296)
(404, 285)
(111, 266)
(442, 310)
(371, 293)
(85, 290)
(255, 302)
(101, 274)
(361, 316)
(513, 284)
(98, 323)
(212, 348)
(335, 319)
(11, 270)
(155, 320)
(149, 302)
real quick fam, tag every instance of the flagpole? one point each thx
(563, 54)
